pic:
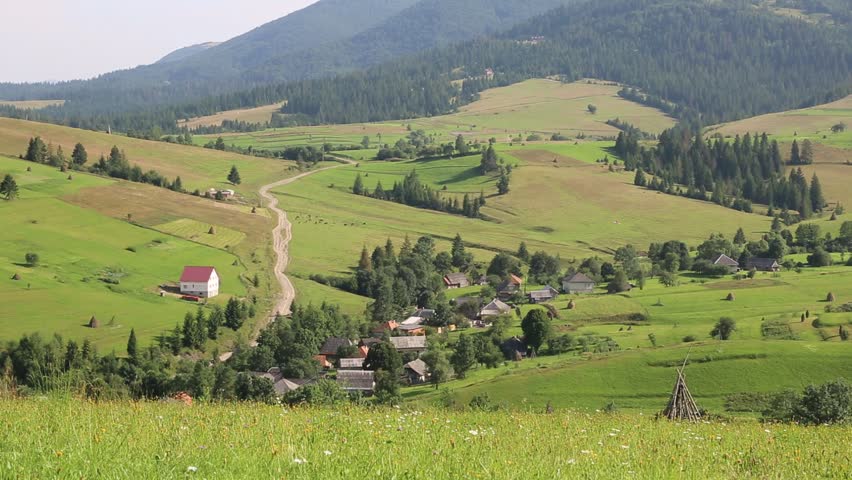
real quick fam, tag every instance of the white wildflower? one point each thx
(191, 469)
(473, 432)
(326, 452)
(585, 452)
(571, 461)
(299, 461)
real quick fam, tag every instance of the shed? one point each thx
(495, 308)
(456, 280)
(578, 283)
(416, 372)
(356, 381)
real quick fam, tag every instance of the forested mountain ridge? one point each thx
(186, 52)
(704, 61)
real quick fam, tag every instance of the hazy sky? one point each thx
(68, 39)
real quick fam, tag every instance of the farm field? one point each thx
(249, 115)
(72, 439)
(31, 104)
(93, 263)
(538, 106)
(639, 377)
(198, 168)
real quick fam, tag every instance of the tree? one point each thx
(795, 158)
(366, 262)
(536, 327)
(489, 161)
(807, 153)
(234, 176)
(132, 345)
(524, 254)
(358, 186)
(9, 187)
(37, 151)
(619, 283)
(740, 238)
(384, 356)
(820, 258)
(825, 404)
(503, 183)
(31, 259)
(233, 315)
(439, 366)
(724, 328)
(817, 199)
(502, 265)
(387, 387)
(639, 179)
(464, 355)
(365, 142)
(461, 145)
(220, 144)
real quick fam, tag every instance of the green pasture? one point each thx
(67, 438)
(90, 265)
(200, 232)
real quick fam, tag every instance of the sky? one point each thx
(52, 40)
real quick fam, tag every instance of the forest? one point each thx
(723, 61)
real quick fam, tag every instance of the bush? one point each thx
(827, 403)
(724, 328)
(482, 402)
(820, 258)
(689, 339)
(817, 323)
(31, 259)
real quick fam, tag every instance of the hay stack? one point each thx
(16, 277)
(572, 305)
(253, 209)
(730, 297)
(70, 177)
(94, 323)
(830, 297)
(212, 231)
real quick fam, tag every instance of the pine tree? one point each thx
(489, 161)
(234, 176)
(365, 263)
(36, 151)
(9, 187)
(79, 156)
(461, 145)
(807, 154)
(523, 253)
(177, 185)
(220, 144)
(358, 186)
(740, 238)
(817, 198)
(132, 345)
(233, 315)
(503, 183)
(795, 158)
(639, 180)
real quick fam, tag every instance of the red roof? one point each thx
(515, 279)
(196, 274)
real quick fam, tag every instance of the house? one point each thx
(495, 308)
(356, 381)
(415, 344)
(732, 265)
(763, 264)
(281, 385)
(388, 326)
(369, 342)
(546, 294)
(332, 346)
(509, 287)
(424, 313)
(351, 363)
(456, 280)
(323, 362)
(416, 372)
(514, 348)
(412, 329)
(578, 283)
(200, 282)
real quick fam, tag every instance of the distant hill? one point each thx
(186, 52)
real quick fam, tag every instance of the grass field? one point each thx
(31, 104)
(535, 106)
(200, 232)
(90, 263)
(249, 115)
(71, 439)
(198, 168)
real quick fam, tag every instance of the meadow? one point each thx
(62, 438)
(249, 115)
(199, 168)
(539, 106)
(93, 264)
(32, 104)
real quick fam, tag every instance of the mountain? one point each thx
(184, 53)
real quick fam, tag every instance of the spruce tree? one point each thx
(740, 238)
(79, 156)
(234, 175)
(817, 198)
(807, 153)
(795, 158)
(132, 345)
(358, 186)
(365, 263)
(9, 188)
(639, 179)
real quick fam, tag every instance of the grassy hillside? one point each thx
(32, 104)
(249, 115)
(91, 264)
(198, 168)
(71, 439)
(537, 106)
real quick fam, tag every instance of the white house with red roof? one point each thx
(199, 281)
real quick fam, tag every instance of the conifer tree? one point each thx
(79, 156)
(132, 345)
(234, 176)
(740, 238)
(817, 198)
(9, 187)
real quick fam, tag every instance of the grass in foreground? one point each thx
(73, 439)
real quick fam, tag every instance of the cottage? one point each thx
(368, 342)
(332, 346)
(763, 264)
(323, 362)
(723, 260)
(456, 280)
(415, 344)
(200, 282)
(509, 287)
(388, 326)
(546, 294)
(351, 363)
(356, 381)
(578, 283)
(281, 385)
(412, 329)
(495, 308)
(514, 348)
(416, 372)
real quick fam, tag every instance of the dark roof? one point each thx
(762, 262)
(512, 345)
(355, 380)
(333, 344)
(455, 278)
(279, 383)
(424, 313)
(726, 261)
(547, 292)
(196, 274)
(418, 366)
(578, 277)
(370, 341)
(407, 343)
(352, 363)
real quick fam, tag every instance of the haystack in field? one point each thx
(94, 323)
(830, 297)
(730, 297)
(212, 231)
(572, 305)
(16, 277)
(681, 404)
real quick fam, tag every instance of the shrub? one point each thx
(724, 328)
(820, 258)
(689, 339)
(827, 403)
(482, 402)
(817, 323)
(32, 259)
